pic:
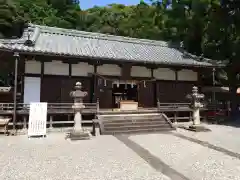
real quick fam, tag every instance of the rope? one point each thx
(107, 79)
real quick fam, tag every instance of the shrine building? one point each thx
(111, 68)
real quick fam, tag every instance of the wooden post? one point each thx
(158, 105)
(51, 122)
(24, 122)
(98, 108)
(190, 116)
(175, 117)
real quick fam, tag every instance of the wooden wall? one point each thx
(103, 91)
(57, 88)
(58, 79)
(146, 94)
(173, 92)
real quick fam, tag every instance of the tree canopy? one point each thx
(207, 28)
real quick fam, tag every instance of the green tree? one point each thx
(68, 11)
(8, 18)
(208, 28)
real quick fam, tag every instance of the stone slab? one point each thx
(80, 135)
(198, 128)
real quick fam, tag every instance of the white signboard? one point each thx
(37, 125)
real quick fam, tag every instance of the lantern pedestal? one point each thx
(197, 128)
(196, 104)
(78, 133)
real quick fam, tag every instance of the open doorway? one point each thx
(124, 92)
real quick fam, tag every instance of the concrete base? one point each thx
(80, 135)
(197, 128)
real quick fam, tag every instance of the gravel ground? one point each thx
(194, 161)
(53, 158)
(222, 136)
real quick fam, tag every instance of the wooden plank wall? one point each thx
(172, 91)
(56, 89)
(146, 95)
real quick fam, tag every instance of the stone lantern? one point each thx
(78, 133)
(196, 103)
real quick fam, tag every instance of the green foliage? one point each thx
(206, 27)
(8, 17)
(209, 28)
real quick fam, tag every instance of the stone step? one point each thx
(133, 120)
(130, 127)
(119, 123)
(137, 131)
(134, 123)
(132, 117)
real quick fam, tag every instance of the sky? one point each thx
(85, 4)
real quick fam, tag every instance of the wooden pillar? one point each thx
(22, 77)
(42, 76)
(94, 98)
(94, 85)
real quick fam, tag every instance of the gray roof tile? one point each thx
(57, 41)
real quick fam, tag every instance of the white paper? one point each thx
(37, 125)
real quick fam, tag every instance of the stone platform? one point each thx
(197, 128)
(79, 135)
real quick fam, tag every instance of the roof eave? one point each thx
(110, 59)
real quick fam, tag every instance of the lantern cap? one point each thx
(78, 86)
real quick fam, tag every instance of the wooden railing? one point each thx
(173, 106)
(53, 108)
(175, 111)
(172, 110)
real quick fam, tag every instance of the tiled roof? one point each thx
(64, 42)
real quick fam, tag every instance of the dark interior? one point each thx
(124, 92)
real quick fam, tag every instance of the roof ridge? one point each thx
(94, 35)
